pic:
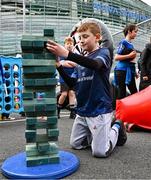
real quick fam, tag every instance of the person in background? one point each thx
(145, 67)
(66, 91)
(93, 123)
(125, 71)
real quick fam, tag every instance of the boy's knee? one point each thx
(75, 144)
(102, 152)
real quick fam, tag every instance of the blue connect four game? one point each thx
(11, 85)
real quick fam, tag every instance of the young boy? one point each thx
(92, 125)
(125, 69)
(66, 91)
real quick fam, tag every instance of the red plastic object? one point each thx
(136, 108)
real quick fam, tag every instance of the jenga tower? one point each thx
(39, 77)
(41, 133)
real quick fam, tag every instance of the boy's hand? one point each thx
(132, 54)
(57, 49)
(69, 64)
(145, 78)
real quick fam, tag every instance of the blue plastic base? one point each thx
(15, 167)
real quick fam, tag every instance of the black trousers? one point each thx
(121, 76)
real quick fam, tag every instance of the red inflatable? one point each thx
(136, 109)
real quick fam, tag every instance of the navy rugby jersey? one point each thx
(93, 87)
(125, 47)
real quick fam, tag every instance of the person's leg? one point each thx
(104, 137)
(114, 93)
(61, 99)
(72, 102)
(132, 86)
(80, 135)
(121, 75)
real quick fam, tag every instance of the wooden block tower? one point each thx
(39, 77)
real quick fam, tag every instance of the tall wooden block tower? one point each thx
(39, 77)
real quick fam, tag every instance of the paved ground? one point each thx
(132, 161)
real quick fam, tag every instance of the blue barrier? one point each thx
(11, 85)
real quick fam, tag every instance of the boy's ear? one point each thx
(98, 37)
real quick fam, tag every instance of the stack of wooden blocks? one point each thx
(39, 76)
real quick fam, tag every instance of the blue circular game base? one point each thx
(15, 167)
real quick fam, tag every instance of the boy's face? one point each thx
(69, 45)
(89, 41)
(133, 33)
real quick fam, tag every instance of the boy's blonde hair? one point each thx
(92, 27)
(68, 39)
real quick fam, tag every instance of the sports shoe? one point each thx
(72, 114)
(122, 137)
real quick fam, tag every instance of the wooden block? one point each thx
(51, 93)
(41, 113)
(52, 126)
(30, 127)
(47, 107)
(49, 55)
(28, 108)
(39, 70)
(41, 138)
(26, 44)
(49, 32)
(43, 147)
(40, 82)
(30, 134)
(38, 45)
(53, 132)
(39, 55)
(40, 40)
(44, 138)
(28, 95)
(47, 147)
(45, 101)
(31, 121)
(38, 108)
(44, 123)
(44, 159)
(29, 76)
(37, 62)
(53, 148)
(28, 55)
(31, 149)
(52, 120)
(41, 125)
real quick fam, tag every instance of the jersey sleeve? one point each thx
(104, 57)
(120, 47)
